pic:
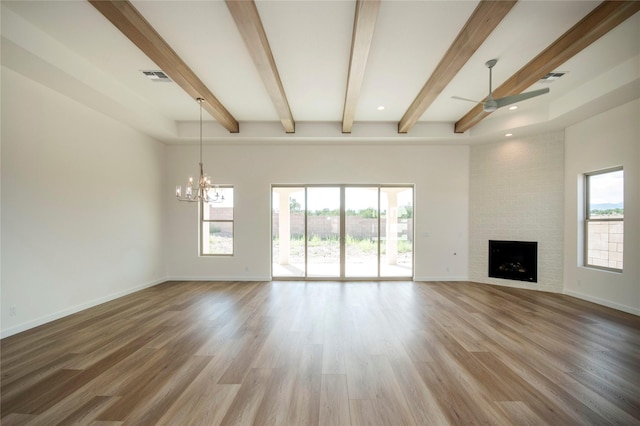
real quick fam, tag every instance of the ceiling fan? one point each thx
(490, 104)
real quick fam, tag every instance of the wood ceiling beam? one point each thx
(604, 18)
(245, 14)
(484, 19)
(363, 27)
(132, 24)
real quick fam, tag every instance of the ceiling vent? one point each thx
(551, 77)
(157, 76)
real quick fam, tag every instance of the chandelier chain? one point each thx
(201, 192)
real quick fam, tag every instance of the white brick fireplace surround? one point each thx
(517, 193)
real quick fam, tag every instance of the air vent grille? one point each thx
(551, 77)
(157, 76)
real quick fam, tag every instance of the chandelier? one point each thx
(201, 191)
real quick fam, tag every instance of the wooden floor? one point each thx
(329, 353)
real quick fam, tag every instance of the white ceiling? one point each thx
(70, 47)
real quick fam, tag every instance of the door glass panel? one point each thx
(310, 241)
(396, 223)
(288, 234)
(323, 232)
(361, 231)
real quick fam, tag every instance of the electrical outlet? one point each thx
(12, 311)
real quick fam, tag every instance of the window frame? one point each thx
(588, 220)
(204, 221)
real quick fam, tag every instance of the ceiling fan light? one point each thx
(490, 105)
(489, 108)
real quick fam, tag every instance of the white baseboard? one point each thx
(66, 312)
(200, 278)
(603, 302)
(261, 278)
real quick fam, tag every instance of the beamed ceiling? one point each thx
(314, 70)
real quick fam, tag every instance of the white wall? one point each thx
(81, 206)
(606, 140)
(440, 175)
(516, 193)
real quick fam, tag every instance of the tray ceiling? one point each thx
(325, 83)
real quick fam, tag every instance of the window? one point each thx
(216, 225)
(604, 219)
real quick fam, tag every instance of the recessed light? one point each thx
(381, 107)
(508, 134)
(513, 107)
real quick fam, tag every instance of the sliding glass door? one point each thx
(342, 231)
(361, 243)
(288, 232)
(396, 251)
(323, 232)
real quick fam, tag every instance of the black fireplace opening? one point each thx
(514, 260)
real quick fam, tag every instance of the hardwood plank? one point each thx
(278, 395)
(621, 394)
(102, 385)
(240, 366)
(207, 406)
(64, 382)
(521, 390)
(160, 401)
(17, 419)
(87, 411)
(520, 413)
(333, 356)
(146, 387)
(360, 376)
(138, 367)
(41, 395)
(245, 405)
(13, 385)
(363, 413)
(204, 401)
(406, 353)
(390, 404)
(334, 400)
(547, 381)
(422, 403)
(459, 406)
(305, 404)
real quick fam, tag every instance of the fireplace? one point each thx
(514, 260)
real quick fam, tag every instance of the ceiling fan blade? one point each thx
(465, 99)
(508, 100)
